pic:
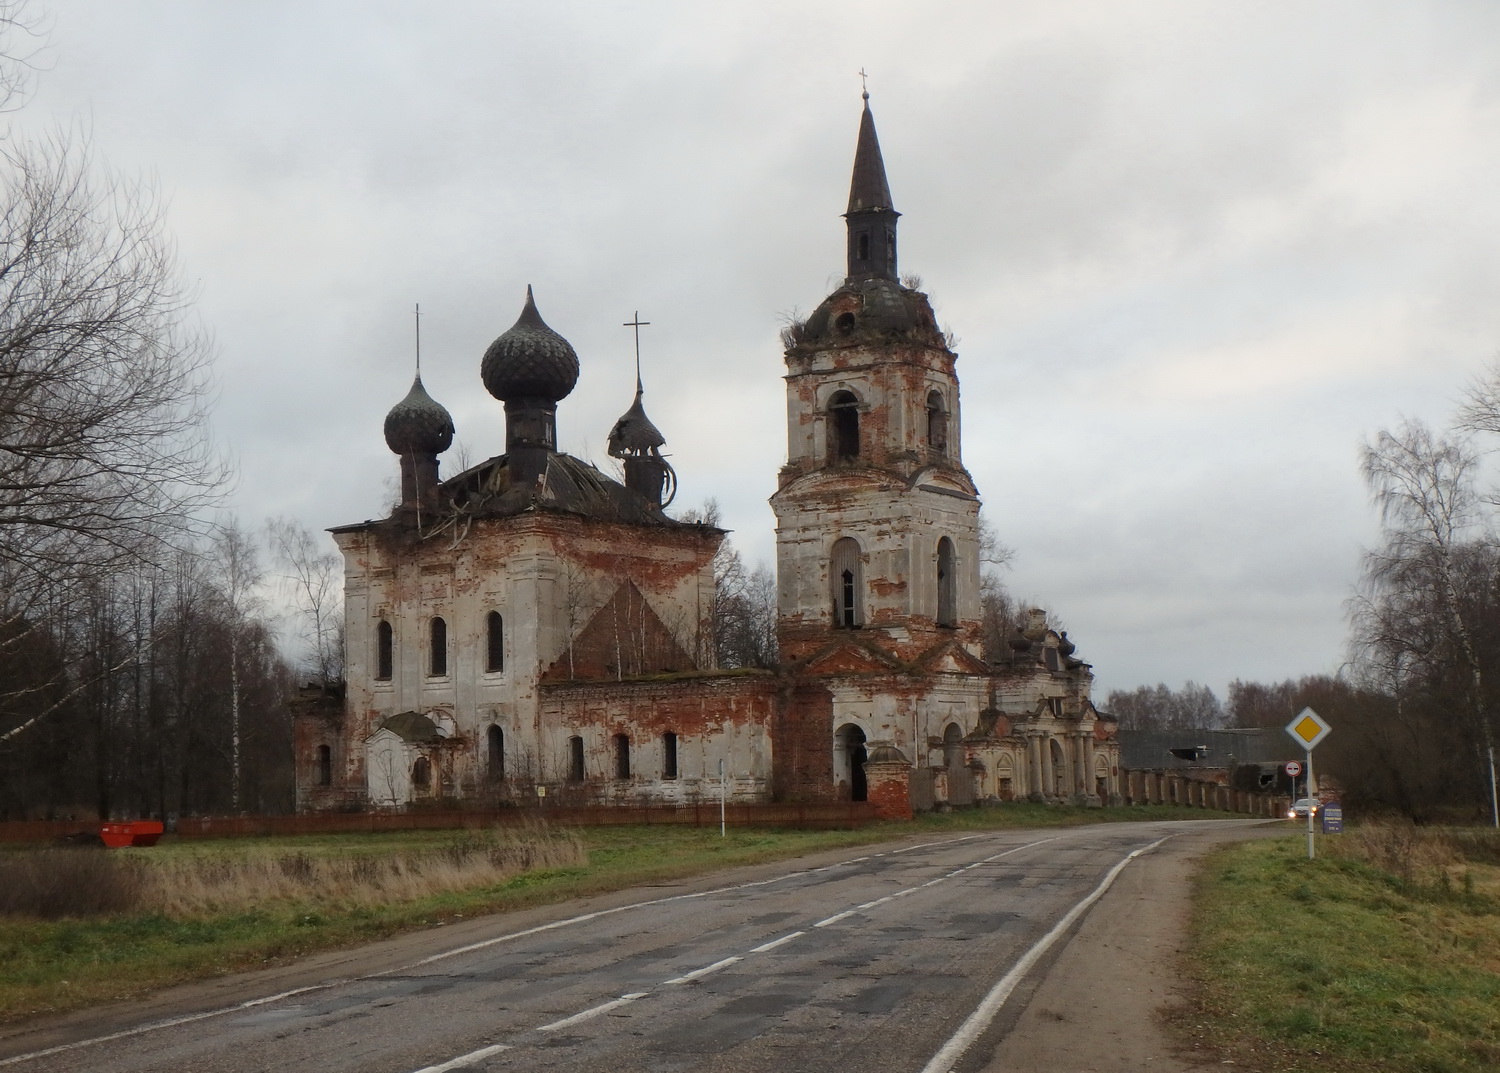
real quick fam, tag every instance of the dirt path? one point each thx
(1100, 1006)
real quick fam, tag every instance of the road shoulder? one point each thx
(1101, 1006)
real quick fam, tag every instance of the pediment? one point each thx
(625, 638)
(950, 657)
(850, 657)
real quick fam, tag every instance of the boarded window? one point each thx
(383, 651)
(622, 756)
(669, 755)
(495, 741)
(494, 658)
(437, 664)
(575, 759)
(947, 589)
(843, 426)
(421, 773)
(325, 766)
(937, 422)
(846, 574)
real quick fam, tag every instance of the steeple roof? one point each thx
(868, 189)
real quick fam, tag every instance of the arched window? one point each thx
(325, 766)
(421, 773)
(495, 742)
(383, 651)
(575, 759)
(494, 651)
(862, 246)
(622, 756)
(843, 426)
(437, 664)
(937, 422)
(845, 572)
(947, 604)
(669, 755)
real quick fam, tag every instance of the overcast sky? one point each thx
(1194, 254)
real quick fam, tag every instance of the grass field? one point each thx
(199, 909)
(1382, 954)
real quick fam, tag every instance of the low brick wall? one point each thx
(821, 816)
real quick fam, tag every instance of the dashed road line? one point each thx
(594, 1011)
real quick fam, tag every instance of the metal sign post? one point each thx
(722, 833)
(1307, 729)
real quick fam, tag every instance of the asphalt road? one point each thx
(914, 956)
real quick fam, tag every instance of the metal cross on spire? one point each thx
(637, 324)
(864, 86)
(418, 314)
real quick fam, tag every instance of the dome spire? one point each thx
(530, 368)
(871, 215)
(638, 442)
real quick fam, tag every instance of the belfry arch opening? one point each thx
(846, 575)
(947, 591)
(849, 757)
(937, 422)
(843, 426)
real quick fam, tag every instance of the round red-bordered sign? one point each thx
(1293, 768)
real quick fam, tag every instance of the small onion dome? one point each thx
(883, 752)
(634, 434)
(418, 424)
(1065, 646)
(530, 361)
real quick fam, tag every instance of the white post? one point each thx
(1310, 800)
(722, 833)
(1494, 798)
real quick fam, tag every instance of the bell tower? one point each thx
(877, 537)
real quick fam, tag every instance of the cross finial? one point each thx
(637, 323)
(863, 85)
(418, 315)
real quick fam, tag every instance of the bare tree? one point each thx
(314, 580)
(239, 574)
(1426, 586)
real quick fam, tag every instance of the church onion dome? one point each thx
(634, 434)
(418, 424)
(530, 361)
(872, 307)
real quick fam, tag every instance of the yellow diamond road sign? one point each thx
(1308, 728)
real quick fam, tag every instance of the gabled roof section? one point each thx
(624, 639)
(412, 727)
(850, 656)
(950, 657)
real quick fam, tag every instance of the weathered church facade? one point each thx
(533, 626)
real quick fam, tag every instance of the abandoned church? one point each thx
(534, 626)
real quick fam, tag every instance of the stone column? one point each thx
(1049, 779)
(1034, 764)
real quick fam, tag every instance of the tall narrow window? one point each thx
(937, 423)
(848, 589)
(669, 755)
(383, 649)
(494, 657)
(437, 664)
(575, 759)
(862, 246)
(495, 740)
(947, 604)
(843, 426)
(622, 756)
(325, 766)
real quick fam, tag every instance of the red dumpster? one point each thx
(130, 833)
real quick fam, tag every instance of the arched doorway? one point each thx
(1059, 769)
(849, 761)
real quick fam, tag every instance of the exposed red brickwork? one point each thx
(890, 790)
(624, 639)
(804, 743)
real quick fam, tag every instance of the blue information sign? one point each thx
(1333, 818)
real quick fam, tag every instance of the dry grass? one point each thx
(52, 884)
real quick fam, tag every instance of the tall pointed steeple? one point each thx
(871, 216)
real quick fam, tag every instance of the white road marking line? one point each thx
(466, 1059)
(595, 1011)
(170, 1022)
(834, 919)
(980, 1019)
(688, 977)
(774, 943)
(582, 918)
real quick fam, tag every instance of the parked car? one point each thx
(1301, 807)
